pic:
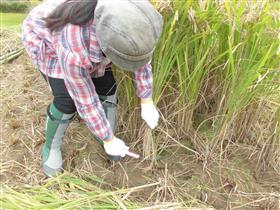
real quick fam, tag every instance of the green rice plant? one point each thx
(234, 42)
(250, 64)
(186, 54)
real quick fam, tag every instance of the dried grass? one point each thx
(10, 40)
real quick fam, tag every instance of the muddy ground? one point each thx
(230, 183)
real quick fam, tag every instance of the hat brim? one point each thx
(126, 64)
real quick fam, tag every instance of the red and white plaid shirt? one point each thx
(73, 54)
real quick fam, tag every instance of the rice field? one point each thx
(217, 86)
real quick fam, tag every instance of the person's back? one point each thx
(34, 19)
(37, 38)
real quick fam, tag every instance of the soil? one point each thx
(230, 183)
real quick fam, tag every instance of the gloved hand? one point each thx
(149, 113)
(115, 147)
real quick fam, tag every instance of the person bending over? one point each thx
(73, 44)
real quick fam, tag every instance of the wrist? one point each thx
(108, 141)
(147, 101)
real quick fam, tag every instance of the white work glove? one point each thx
(149, 113)
(115, 147)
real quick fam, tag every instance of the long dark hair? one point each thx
(76, 12)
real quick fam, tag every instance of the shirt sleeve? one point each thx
(75, 64)
(143, 80)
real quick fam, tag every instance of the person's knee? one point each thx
(65, 105)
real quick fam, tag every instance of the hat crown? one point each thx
(127, 29)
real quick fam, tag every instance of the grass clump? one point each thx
(71, 192)
(65, 192)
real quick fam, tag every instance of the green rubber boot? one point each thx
(56, 125)
(109, 104)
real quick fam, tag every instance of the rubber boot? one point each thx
(109, 104)
(56, 125)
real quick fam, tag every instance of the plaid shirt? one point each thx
(73, 54)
